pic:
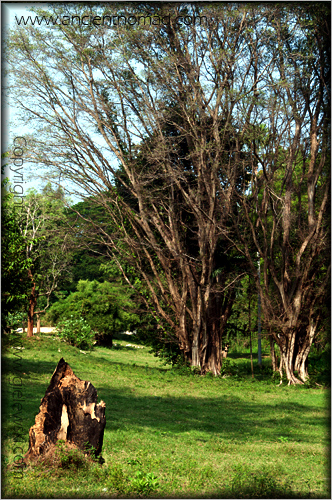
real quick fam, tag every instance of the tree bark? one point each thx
(287, 345)
(38, 323)
(211, 355)
(195, 353)
(273, 354)
(32, 305)
(68, 412)
(216, 317)
(304, 346)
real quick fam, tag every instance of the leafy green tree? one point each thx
(48, 245)
(106, 307)
(15, 283)
(77, 332)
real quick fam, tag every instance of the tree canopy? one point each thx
(201, 142)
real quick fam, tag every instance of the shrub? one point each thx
(16, 319)
(76, 332)
(228, 368)
(106, 307)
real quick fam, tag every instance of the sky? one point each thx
(12, 127)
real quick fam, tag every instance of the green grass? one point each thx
(171, 434)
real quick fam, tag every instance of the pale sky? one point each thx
(11, 127)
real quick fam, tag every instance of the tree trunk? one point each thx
(212, 361)
(68, 411)
(301, 359)
(182, 335)
(38, 323)
(294, 350)
(289, 369)
(302, 368)
(211, 357)
(197, 326)
(273, 354)
(195, 361)
(32, 305)
(251, 360)
(287, 356)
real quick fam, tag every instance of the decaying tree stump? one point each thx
(68, 411)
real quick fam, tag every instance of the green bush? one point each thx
(228, 368)
(106, 307)
(76, 332)
(16, 319)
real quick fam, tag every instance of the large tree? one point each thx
(283, 217)
(49, 242)
(159, 125)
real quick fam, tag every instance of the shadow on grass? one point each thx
(226, 416)
(221, 420)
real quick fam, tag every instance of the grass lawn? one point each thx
(168, 433)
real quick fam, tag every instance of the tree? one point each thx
(181, 113)
(90, 259)
(48, 246)
(14, 262)
(106, 307)
(284, 207)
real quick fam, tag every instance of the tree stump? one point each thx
(68, 411)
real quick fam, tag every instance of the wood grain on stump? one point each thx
(68, 411)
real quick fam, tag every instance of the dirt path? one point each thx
(43, 329)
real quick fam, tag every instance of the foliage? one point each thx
(144, 483)
(77, 332)
(15, 320)
(43, 216)
(213, 140)
(106, 307)
(320, 368)
(38, 234)
(228, 368)
(15, 264)
(90, 261)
